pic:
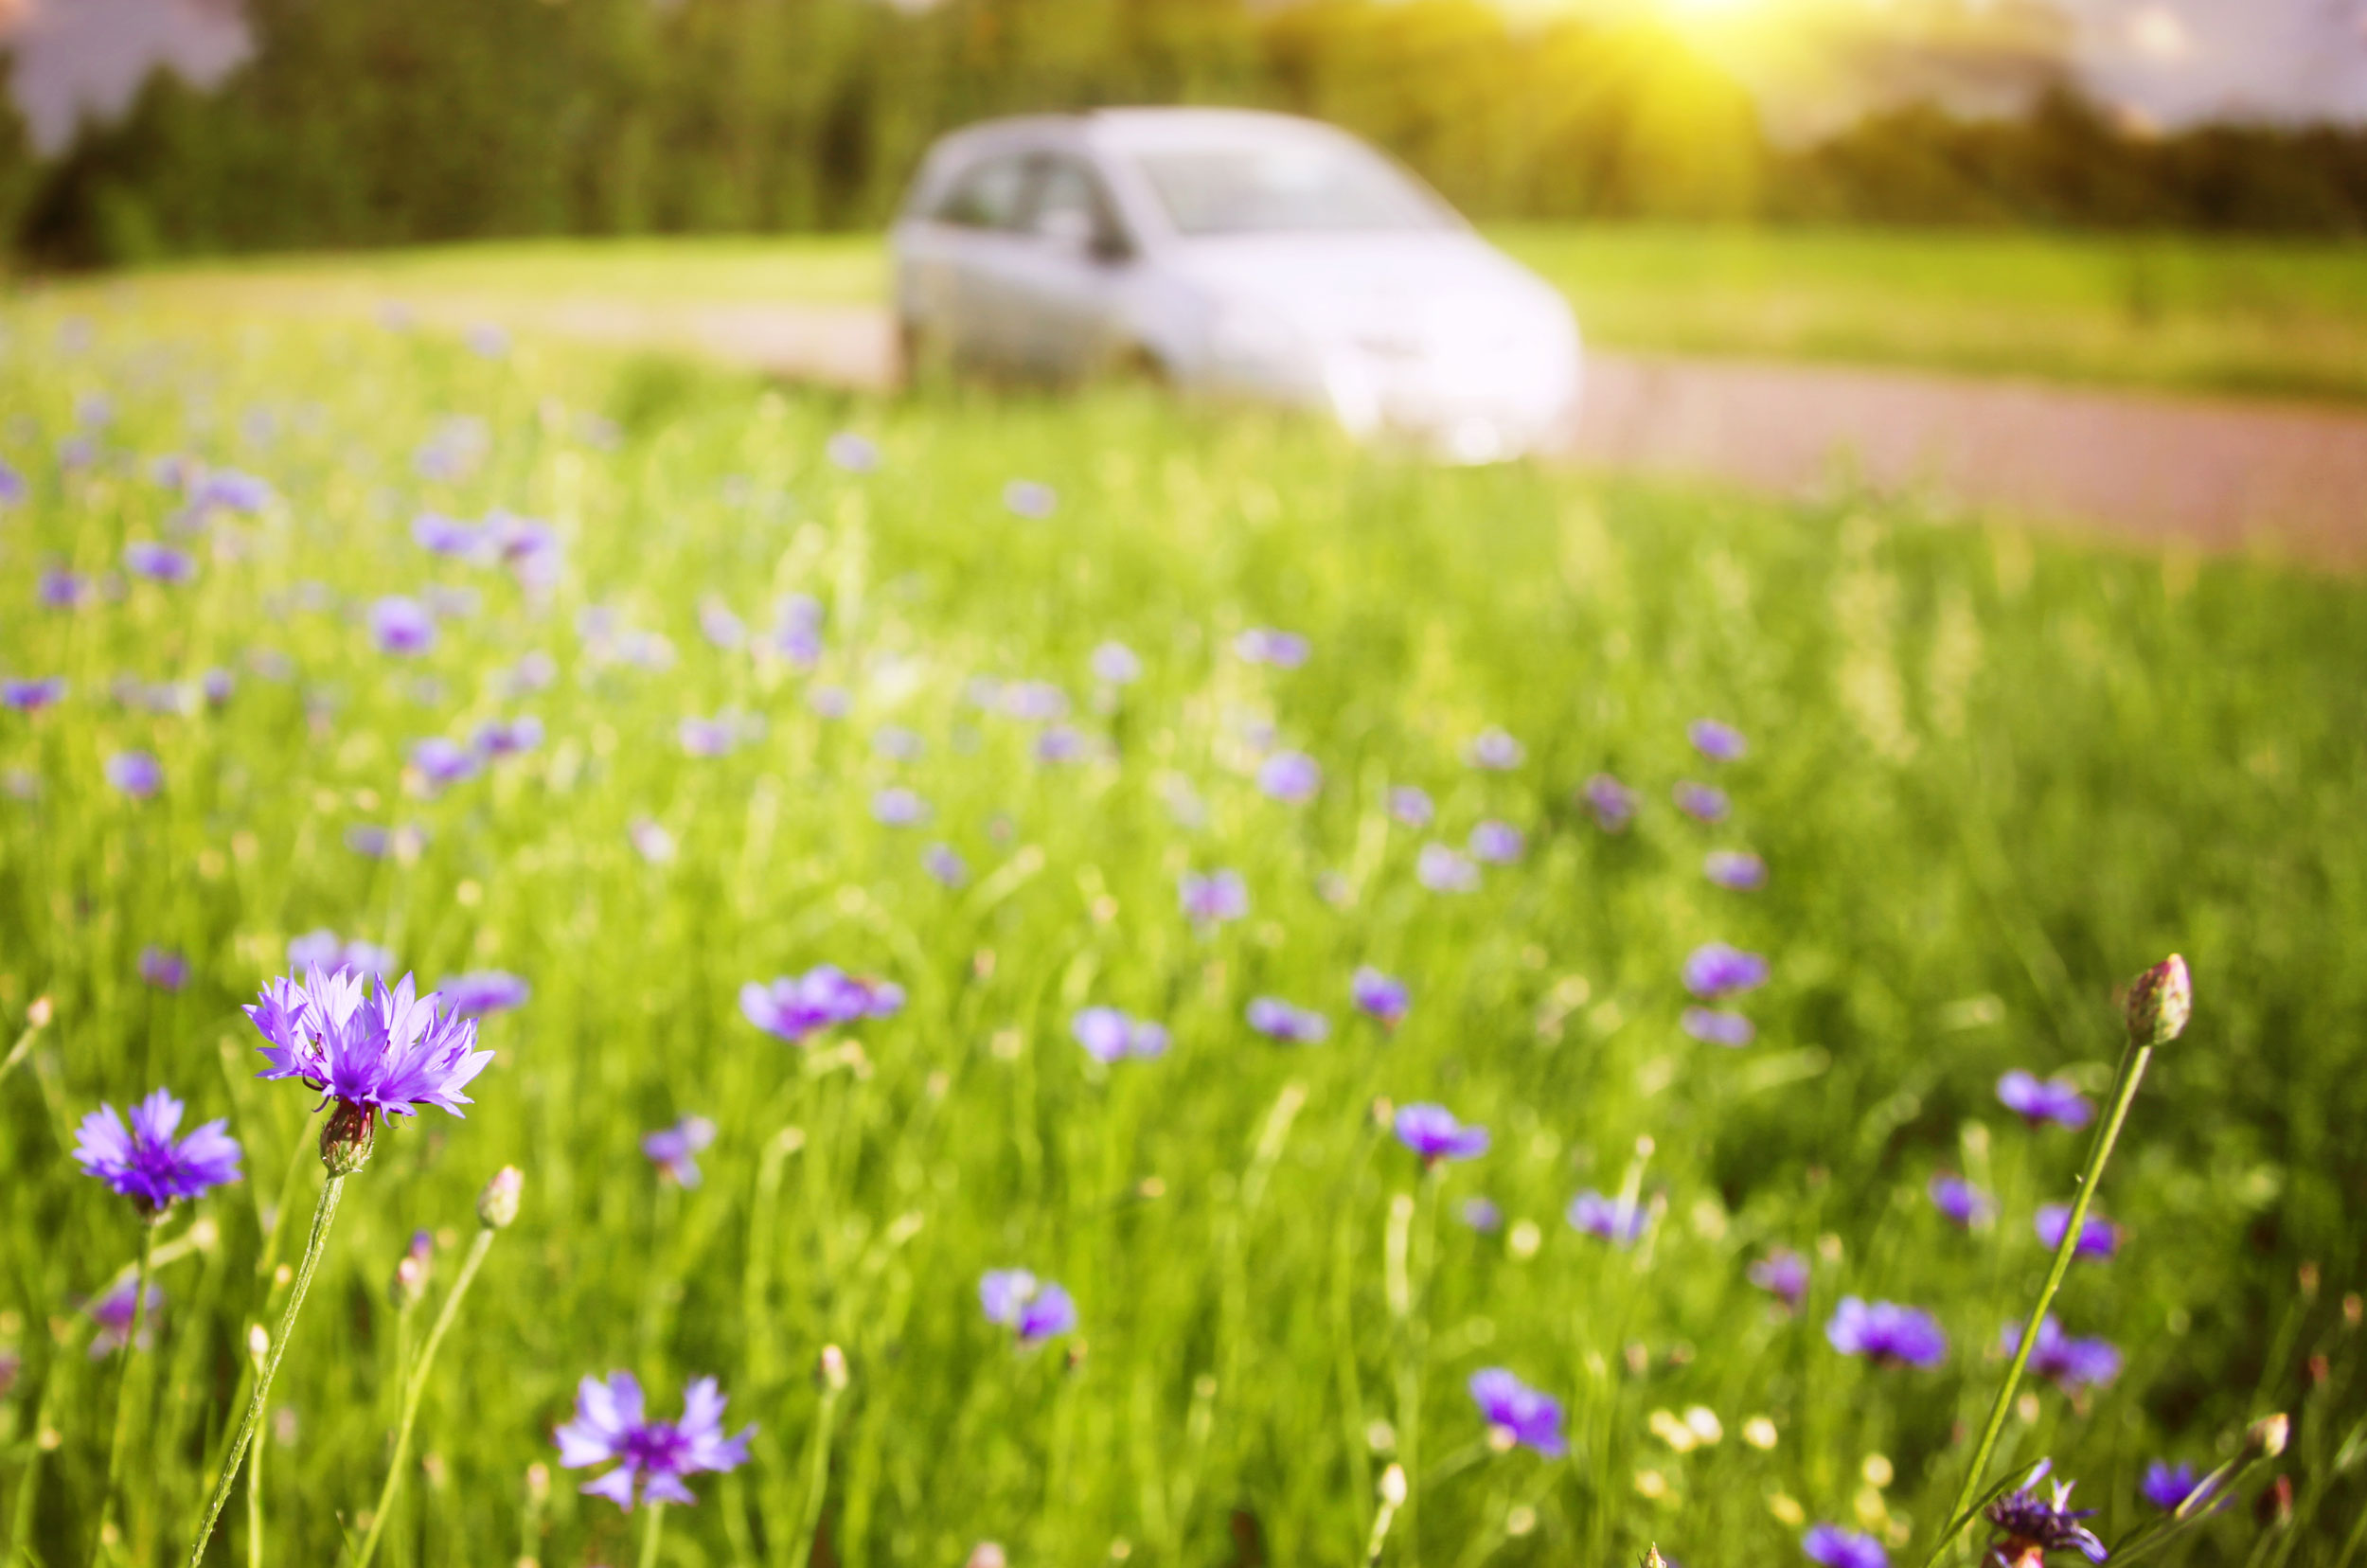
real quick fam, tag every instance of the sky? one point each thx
(2164, 63)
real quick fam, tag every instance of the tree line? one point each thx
(357, 123)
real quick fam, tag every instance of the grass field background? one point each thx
(1991, 777)
(2162, 312)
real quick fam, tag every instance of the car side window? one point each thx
(986, 196)
(1067, 204)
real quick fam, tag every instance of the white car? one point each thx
(1233, 253)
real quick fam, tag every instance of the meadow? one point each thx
(2162, 312)
(961, 695)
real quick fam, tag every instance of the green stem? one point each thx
(414, 1387)
(1960, 1514)
(255, 1511)
(650, 1527)
(817, 1478)
(123, 1384)
(325, 1212)
(23, 1046)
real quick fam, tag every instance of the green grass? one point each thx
(1991, 777)
(2158, 312)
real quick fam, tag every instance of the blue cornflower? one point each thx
(1294, 1025)
(1290, 777)
(854, 454)
(1034, 702)
(1886, 1333)
(486, 340)
(1734, 868)
(1517, 1415)
(2071, 1365)
(59, 589)
(1216, 897)
(2029, 1526)
(380, 1055)
(321, 950)
(655, 1456)
(145, 1162)
(1114, 664)
(219, 686)
(1033, 1308)
(2098, 1237)
(483, 992)
(1702, 802)
(135, 772)
(1059, 743)
(650, 840)
(1264, 644)
(1838, 1548)
(2039, 1101)
(941, 862)
(1109, 1035)
(897, 743)
(32, 696)
(719, 626)
(898, 807)
(674, 1150)
(1431, 1131)
(2167, 1486)
(1715, 1026)
(1484, 1214)
(12, 485)
(1617, 1220)
(116, 1311)
(164, 969)
(1443, 869)
(159, 563)
(447, 536)
(1494, 749)
(1030, 498)
(443, 763)
(1612, 803)
(1716, 970)
(794, 1006)
(797, 630)
(1783, 1274)
(1716, 741)
(401, 626)
(1965, 1204)
(1383, 997)
(1412, 806)
(508, 736)
(1497, 843)
(231, 491)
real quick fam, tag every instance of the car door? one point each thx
(1066, 290)
(963, 258)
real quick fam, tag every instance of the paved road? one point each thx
(2219, 475)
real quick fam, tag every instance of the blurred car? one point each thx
(1233, 253)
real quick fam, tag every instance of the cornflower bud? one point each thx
(2265, 1437)
(497, 1207)
(833, 1368)
(2159, 1002)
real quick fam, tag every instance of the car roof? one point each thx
(1128, 130)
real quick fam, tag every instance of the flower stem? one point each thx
(416, 1386)
(123, 1386)
(650, 1527)
(1960, 1514)
(817, 1478)
(323, 1214)
(34, 1022)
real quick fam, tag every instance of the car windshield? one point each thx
(1290, 188)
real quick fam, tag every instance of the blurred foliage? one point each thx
(359, 124)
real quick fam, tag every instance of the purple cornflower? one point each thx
(401, 626)
(1431, 1131)
(2098, 1237)
(1033, 1308)
(1965, 1204)
(2029, 1526)
(1517, 1415)
(1886, 1333)
(2167, 1486)
(508, 736)
(447, 536)
(650, 840)
(2071, 1365)
(164, 969)
(1838, 1548)
(1612, 803)
(1716, 970)
(443, 763)
(897, 743)
(2039, 1101)
(1382, 996)
(1109, 1035)
(1734, 868)
(1494, 749)
(1702, 802)
(1617, 1220)
(655, 1454)
(708, 736)
(674, 1150)
(1782, 1274)
(855, 453)
(1716, 741)
(1446, 870)
(898, 807)
(1114, 664)
(12, 485)
(1264, 644)
(1216, 897)
(219, 686)
(948, 867)
(486, 341)
(145, 1162)
(794, 1006)
(1497, 843)
(1716, 1026)
(797, 630)
(159, 563)
(1484, 1214)
(483, 992)
(378, 840)
(1275, 1018)
(1033, 702)
(115, 1311)
(59, 589)
(1412, 807)
(1030, 498)
(381, 1054)
(32, 696)
(721, 627)
(1291, 777)
(321, 950)
(231, 491)
(1059, 743)
(534, 672)
(135, 772)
